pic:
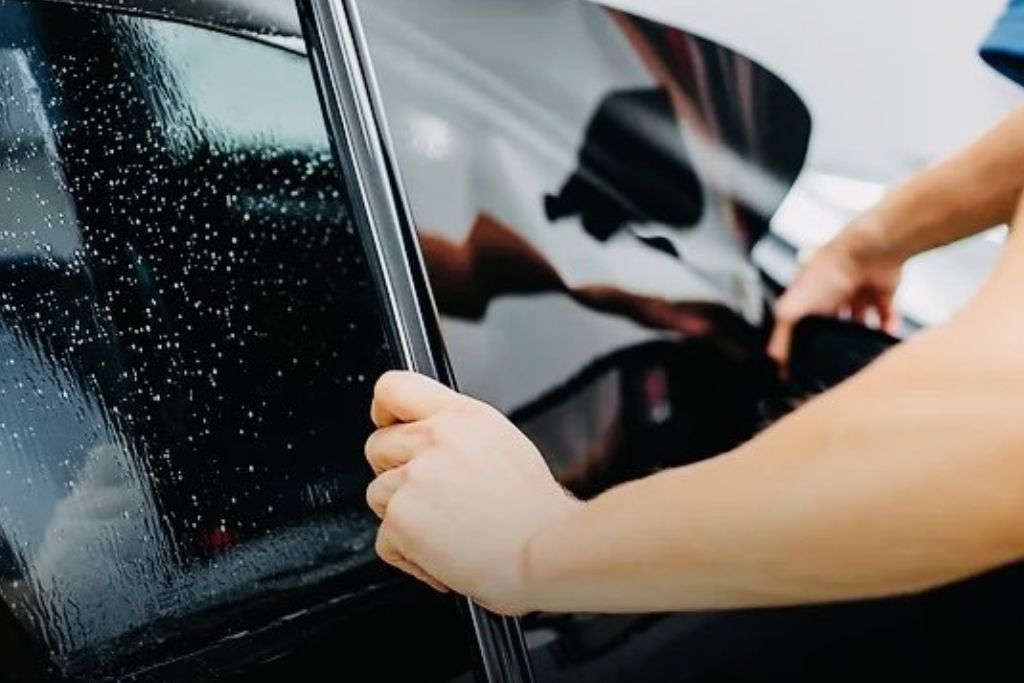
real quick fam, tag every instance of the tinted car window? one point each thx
(188, 338)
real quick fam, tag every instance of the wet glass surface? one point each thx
(188, 339)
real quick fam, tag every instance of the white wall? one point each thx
(892, 84)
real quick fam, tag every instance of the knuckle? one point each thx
(418, 471)
(441, 429)
(373, 494)
(433, 431)
(398, 508)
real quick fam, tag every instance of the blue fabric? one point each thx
(1004, 47)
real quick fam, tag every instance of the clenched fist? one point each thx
(460, 491)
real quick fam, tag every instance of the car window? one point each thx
(587, 184)
(189, 332)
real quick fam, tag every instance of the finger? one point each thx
(382, 489)
(408, 397)
(778, 347)
(419, 574)
(386, 547)
(395, 446)
(859, 312)
(889, 317)
(388, 550)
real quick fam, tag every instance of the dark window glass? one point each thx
(189, 333)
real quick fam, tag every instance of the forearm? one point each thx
(907, 477)
(972, 191)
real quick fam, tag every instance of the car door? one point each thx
(200, 279)
(587, 184)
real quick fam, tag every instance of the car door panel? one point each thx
(617, 337)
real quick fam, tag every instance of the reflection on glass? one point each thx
(188, 337)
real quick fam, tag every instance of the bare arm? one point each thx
(907, 477)
(904, 479)
(972, 191)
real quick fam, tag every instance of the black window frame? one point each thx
(357, 126)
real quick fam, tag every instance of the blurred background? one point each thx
(892, 87)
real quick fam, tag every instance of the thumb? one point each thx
(409, 397)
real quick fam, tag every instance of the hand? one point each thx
(460, 490)
(849, 277)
